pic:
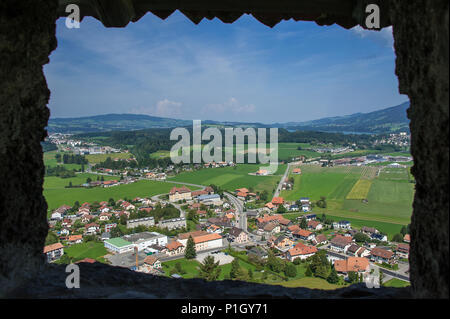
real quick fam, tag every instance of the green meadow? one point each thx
(97, 158)
(231, 178)
(56, 194)
(50, 160)
(396, 283)
(389, 198)
(94, 250)
(285, 151)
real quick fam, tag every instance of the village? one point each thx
(203, 223)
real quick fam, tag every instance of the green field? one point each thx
(389, 199)
(189, 266)
(94, 250)
(309, 282)
(50, 160)
(396, 283)
(56, 195)
(160, 154)
(389, 228)
(231, 178)
(290, 150)
(285, 151)
(360, 189)
(52, 182)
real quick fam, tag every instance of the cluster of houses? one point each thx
(218, 164)
(157, 246)
(96, 220)
(157, 176)
(111, 183)
(294, 242)
(245, 195)
(205, 196)
(303, 204)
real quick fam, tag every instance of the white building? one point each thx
(146, 239)
(202, 239)
(118, 245)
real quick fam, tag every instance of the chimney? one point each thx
(136, 252)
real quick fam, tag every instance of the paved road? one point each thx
(241, 216)
(280, 184)
(189, 184)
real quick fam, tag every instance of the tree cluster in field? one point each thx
(59, 171)
(71, 158)
(177, 269)
(322, 202)
(145, 142)
(398, 238)
(120, 164)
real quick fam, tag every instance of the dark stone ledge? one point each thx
(103, 281)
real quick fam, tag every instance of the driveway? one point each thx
(221, 257)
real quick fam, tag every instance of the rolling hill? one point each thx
(388, 120)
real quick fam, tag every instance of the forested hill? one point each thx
(111, 122)
(390, 120)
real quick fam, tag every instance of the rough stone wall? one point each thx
(102, 281)
(27, 36)
(421, 45)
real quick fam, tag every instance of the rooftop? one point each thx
(118, 242)
(142, 236)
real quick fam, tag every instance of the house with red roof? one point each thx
(175, 248)
(75, 239)
(276, 201)
(320, 239)
(407, 238)
(91, 229)
(53, 251)
(301, 251)
(380, 255)
(304, 234)
(352, 264)
(402, 250)
(340, 243)
(314, 225)
(180, 193)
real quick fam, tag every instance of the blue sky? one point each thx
(244, 71)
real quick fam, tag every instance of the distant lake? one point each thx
(343, 132)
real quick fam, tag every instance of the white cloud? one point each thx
(384, 36)
(232, 105)
(163, 108)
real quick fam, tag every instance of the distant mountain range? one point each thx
(389, 120)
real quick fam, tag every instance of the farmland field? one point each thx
(360, 189)
(397, 283)
(160, 154)
(285, 151)
(50, 160)
(94, 250)
(56, 194)
(231, 178)
(309, 282)
(97, 158)
(389, 198)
